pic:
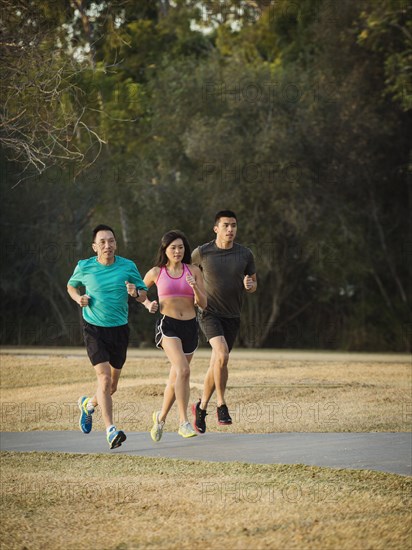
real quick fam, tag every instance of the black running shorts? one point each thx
(213, 326)
(106, 344)
(186, 331)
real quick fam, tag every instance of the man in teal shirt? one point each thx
(108, 281)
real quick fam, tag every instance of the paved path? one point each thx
(387, 452)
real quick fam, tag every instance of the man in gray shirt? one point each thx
(228, 271)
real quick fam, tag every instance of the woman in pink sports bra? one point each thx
(180, 287)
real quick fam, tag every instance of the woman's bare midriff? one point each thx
(180, 307)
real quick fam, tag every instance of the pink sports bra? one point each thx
(172, 287)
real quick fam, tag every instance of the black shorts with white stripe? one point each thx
(186, 331)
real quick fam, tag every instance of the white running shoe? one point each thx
(157, 431)
(186, 430)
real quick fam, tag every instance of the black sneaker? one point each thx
(223, 416)
(199, 416)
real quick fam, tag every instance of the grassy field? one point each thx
(56, 501)
(264, 395)
(60, 501)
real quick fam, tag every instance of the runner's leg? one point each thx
(103, 392)
(218, 368)
(180, 363)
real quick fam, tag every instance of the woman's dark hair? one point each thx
(169, 237)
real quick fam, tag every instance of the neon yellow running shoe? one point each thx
(157, 431)
(186, 430)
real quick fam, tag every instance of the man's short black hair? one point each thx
(224, 214)
(102, 227)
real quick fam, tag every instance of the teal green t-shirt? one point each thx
(105, 284)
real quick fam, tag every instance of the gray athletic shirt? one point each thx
(223, 273)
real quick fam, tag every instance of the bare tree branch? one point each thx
(41, 109)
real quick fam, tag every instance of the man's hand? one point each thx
(131, 289)
(84, 300)
(248, 282)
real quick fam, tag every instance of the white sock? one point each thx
(90, 406)
(110, 428)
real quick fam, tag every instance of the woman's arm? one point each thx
(196, 282)
(149, 280)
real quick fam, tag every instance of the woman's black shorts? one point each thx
(186, 331)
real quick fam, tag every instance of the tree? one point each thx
(292, 114)
(43, 115)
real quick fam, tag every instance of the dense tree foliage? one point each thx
(154, 115)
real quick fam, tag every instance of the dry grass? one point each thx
(264, 395)
(112, 502)
(58, 501)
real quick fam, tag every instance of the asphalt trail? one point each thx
(386, 452)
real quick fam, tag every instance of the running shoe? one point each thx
(86, 420)
(186, 430)
(115, 438)
(223, 416)
(199, 418)
(157, 431)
